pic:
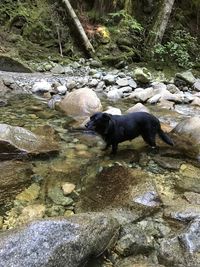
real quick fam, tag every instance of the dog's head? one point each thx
(100, 123)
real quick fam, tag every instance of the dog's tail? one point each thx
(165, 137)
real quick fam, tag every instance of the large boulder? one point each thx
(14, 177)
(19, 142)
(186, 136)
(10, 64)
(58, 242)
(81, 103)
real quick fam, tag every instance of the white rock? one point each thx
(142, 94)
(139, 107)
(113, 111)
(196, 102)
(159, 86)
(62, 89)
(68, 188)
(122, 82)
(154, 99)
(125, 89)
(41, 86)
(114, 94)
(196, 85)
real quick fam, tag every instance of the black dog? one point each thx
(115, 129)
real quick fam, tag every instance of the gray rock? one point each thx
(71, 84)
(182, 211)
(58, 69)
(190, 178)
(138, 108)
(142, 95)
(132, 83)
(191, 237)
(68, 70)
(93, 83)
(133, 241)
(57, 196)
(172, 88)
(196, 101)
(109, 79)
(187, 76)
(95, 63)
(122, 82)
(75, 65)
(114, 94)
(166, 104)
(159, 86)
(196, 85)
(154, 99)
(192, 198)
(173, 253)
(100, 86)
(58, 242)
(125, 89)
(97, 75)
(3, 102)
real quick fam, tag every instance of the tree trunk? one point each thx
(87, 45)
(160, 25)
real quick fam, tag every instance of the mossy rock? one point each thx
(9, 64)
(116, 59)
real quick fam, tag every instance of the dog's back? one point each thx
(118, 128)
(134, 124)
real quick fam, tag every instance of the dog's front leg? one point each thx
(114, 148)
(106, 147)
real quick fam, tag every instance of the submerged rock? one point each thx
(19, 142)
(14, 177)
(126, 194)
(58, 242)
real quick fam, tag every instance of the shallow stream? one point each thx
(81, 160)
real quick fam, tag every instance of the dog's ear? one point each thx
(107, 118)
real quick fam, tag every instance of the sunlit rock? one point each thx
(41, 86)
(139, 107)
(19, 142)
(186, 136)
(142, 75)
(81, 103)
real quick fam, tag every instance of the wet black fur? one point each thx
(115, 129)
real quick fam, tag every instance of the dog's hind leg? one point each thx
(150, 139)
(114, 148)
(106, 147)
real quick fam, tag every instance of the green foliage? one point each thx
(181, 49)
(126, 21)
